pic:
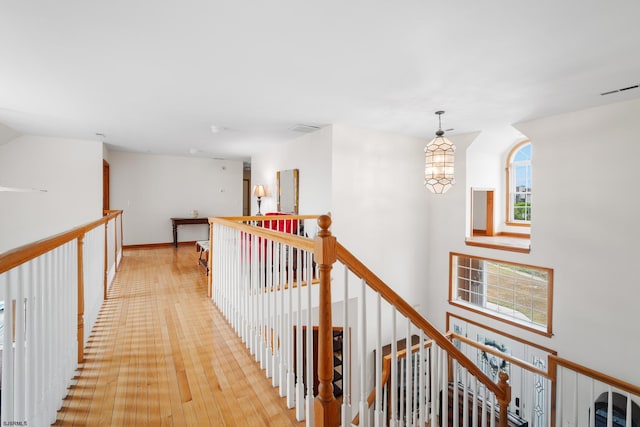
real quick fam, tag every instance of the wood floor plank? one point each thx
(161, 354)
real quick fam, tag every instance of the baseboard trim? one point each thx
(157, 245)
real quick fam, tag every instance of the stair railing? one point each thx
(51, 292)
(583, 396)
(264, 282)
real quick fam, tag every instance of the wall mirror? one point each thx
(287, 181)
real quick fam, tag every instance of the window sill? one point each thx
(538, 329)
(511, 242)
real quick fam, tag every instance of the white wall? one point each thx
(151, 189)
(71, 172)
(7, 134)
(380, 205)
(584, 177)
(311, 155)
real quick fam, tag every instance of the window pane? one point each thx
(520, 184)
(519, 292)
(523, 153)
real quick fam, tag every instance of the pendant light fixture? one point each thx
(439, 162)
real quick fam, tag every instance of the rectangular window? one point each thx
(516, 293)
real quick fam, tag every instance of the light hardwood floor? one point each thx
(162, 354)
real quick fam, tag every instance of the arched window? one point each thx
(519, 185)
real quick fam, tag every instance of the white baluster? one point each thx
(444, 384)
(629, 413)
(422, 394)
(299, 344)
(433, 383)
(408, 375)
(30, 350)
(609, 406)
(394, 369)
(474, 401)
(309, 338)
(275, 321)
(346, 354)
(485, 408)
(465, 397)
(362, 349)
(456, 400)
(378, 363)
(19, 373)
(291, 378)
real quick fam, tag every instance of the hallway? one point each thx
(162, 354)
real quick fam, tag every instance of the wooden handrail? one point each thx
(555, 361)
(298, 242)
(25, 253)
(360, 270)
(525, 365)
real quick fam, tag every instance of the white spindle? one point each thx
(19, 374)
(422, 355)
(474, 401)
(346, 354)
(362, 351)
(299, 344)
(444, 385)
(291, 378)
(402, 416)
(275, 323)
(414, 390)
(609, 406)
(574, 412)
(592, 407)
(493, 410)
(485, 408)
(309, 338)
(629, 412)
(455, 398)
(30, 354)
(394, 369)
(378, 363)
(465, 397)
(408, 375)
(433, 383)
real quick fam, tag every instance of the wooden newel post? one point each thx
(504, 400)
(327, 408)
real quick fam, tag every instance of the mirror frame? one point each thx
(294, 190)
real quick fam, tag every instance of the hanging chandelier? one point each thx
(439, 162)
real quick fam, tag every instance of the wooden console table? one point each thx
(184, 221)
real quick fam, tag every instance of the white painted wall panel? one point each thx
(151, 189)
(71, 172)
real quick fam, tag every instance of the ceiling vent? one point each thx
(619, 90)
(304, 128)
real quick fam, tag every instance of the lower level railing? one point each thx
(51, 292)
(585, 397)
(550, 391)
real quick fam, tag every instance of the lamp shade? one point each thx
(439, 165)
(259, 190)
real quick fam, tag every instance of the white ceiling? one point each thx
(154, 76)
